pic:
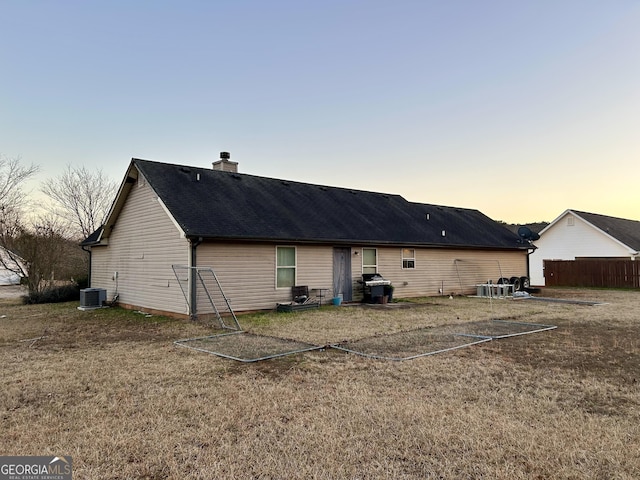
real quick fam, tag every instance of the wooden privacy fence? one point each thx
(612, 273)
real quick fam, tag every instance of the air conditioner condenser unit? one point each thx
(91, 298)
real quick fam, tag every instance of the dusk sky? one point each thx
(518, 109)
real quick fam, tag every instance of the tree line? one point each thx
(40, 243)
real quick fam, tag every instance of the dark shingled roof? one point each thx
(625, 231)
(92, 239)
(214, 204)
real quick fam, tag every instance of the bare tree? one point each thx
(38, 251)
(13, 198)
(13, 176)
(42, 255)
(81, 197)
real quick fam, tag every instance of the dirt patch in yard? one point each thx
(63, 326)
(584, 348)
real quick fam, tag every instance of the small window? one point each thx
(285, 267)
(408, 258)
(369, 260)
(570, 221)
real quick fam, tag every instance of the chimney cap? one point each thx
(224, 164)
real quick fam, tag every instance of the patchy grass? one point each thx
(111, 389)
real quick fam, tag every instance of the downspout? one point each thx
(88, 276)
(530, 250)
(193, 278)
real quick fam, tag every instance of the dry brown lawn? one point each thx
(111, 389)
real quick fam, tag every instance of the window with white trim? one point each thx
(285, 267)
(408, 258)
(369, 260)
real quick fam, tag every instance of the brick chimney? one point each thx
(224, 164)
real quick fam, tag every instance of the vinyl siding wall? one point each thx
(247, 272)
(453, 271)
(142, 247)
(566, 241)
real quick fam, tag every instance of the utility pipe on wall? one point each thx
(193, 290)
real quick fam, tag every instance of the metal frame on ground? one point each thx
(590, 303)
(481, 338)
(339, 346)
(301, 347)
(196, 344)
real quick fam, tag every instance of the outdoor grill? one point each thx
(374, 280)
(374, 287)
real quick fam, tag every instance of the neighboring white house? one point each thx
(575, 234)
(10, 264)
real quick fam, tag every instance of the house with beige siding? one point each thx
(171, 225)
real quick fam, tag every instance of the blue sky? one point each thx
(518, 109)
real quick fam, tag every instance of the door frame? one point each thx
(342, 275)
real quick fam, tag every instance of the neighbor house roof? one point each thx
(625, 231)
(214, 204)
